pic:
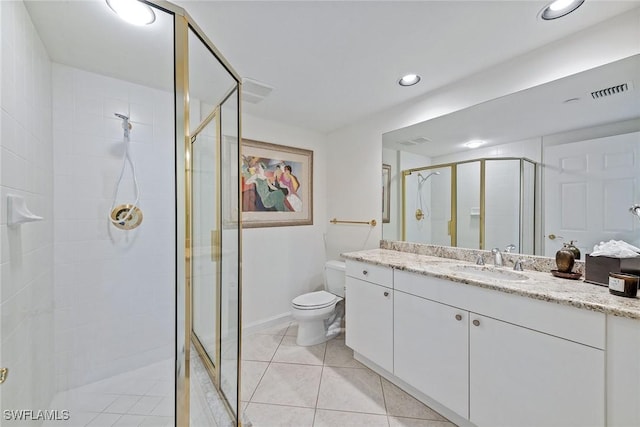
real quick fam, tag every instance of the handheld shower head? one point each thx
(422, 179)
(126, 125)
(121, 116)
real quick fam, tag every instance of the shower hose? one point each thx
(126, 158)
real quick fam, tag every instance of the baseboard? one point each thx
(270, 322)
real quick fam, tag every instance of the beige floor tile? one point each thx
(326, 418)
(292, 331)
(339, 355)
(290, 352)
(399, 403)
(262, 415)
(351, 389)
(289, 384)
(252, 372)
(413, 422)
(260, 347)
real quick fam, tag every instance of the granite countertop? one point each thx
(539, 285)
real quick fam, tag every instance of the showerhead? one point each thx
(121, 116)
(422, 179)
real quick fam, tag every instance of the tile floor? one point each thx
(143, 397)
(284, 384)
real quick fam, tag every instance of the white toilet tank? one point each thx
(334, 272)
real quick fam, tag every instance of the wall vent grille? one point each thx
(613, 90)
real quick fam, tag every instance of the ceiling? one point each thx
(330, 63)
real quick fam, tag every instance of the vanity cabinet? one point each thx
(431, 349)
(521, 377)
(369, 312)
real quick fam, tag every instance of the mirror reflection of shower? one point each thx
(421, 211)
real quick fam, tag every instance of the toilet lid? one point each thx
(315, 299)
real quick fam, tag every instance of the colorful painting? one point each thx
(276, 185)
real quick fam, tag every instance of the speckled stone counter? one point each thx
(538, 284)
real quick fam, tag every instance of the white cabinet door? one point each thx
(520, 377)
(431, 349)
(369, 321)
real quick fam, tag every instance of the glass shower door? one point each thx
(205, 241)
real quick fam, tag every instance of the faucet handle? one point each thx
(479, 260)
(509, 248)
(518, 265)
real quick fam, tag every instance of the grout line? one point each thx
(324, 357)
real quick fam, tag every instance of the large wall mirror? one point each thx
(559, 162)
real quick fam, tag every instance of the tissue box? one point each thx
(597, 268)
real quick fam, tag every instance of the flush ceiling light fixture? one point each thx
(409, 80)
(133, 11)
(560, 8)
(474, 143)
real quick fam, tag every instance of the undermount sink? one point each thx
(487, 272)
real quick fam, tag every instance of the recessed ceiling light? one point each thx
(474, 143)
(409, 80)
(133, 11)
(560, 8)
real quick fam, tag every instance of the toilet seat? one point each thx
(314, 300)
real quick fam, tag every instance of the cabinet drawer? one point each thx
(371, 273)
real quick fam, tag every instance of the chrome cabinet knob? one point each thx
(458, 317)
(365, 272)
(386, 294)
(476, 322)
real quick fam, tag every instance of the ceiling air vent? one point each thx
(613, 90)
(254, 91)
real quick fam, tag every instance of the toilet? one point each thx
(314, 311)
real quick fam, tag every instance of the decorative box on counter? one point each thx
(597, 268)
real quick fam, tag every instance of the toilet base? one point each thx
(311, 333)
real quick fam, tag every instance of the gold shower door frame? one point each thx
(453, 223)
(183, 23)
(212, 366)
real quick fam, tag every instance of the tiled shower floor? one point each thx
(144, 397)
(322, 385)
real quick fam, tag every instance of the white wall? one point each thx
(359, 145)
(280, 263)
(26, 278)
(114, 289)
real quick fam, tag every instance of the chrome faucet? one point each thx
(497, 257)
(479, 260)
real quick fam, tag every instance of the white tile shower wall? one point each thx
(26, 260)
(114, 289)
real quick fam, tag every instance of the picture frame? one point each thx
(276, 185)
(386, 195)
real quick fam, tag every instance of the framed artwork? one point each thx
(386, 188)
(277, 187)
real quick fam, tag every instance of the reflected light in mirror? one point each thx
(474, 143)
(133, 11)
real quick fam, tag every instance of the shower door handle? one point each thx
(3, 374)
(215, 245)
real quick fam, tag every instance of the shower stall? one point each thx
(120, 303)
(477, 204)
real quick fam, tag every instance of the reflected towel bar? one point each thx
(338, 221)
